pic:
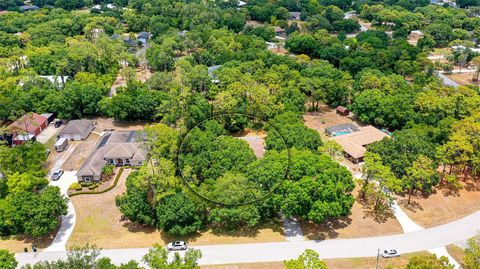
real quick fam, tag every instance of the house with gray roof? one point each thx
(115, 148)
(77, 129)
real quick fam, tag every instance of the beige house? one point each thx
(115, 148)
(354, 143)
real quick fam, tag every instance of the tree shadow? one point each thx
(414, 206)
(327, 229)
(138, 228)
(28, 241)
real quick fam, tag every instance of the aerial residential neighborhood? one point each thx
(239, 134)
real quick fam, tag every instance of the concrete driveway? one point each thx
(48, 133)
(68, 221)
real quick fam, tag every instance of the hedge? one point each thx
(120, 171)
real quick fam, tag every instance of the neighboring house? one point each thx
(28, 8)
(58, 81)
(211, 73)
(115, 148)
(280, 33)
(77, 129)
(354, 143)
(295, 15)
(27, 127)
(143, 37)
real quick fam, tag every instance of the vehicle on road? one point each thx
(57, 174)
(47, 152)
(58, 123)
(178, 245)
(390, 253)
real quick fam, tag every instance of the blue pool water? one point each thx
(341, 133)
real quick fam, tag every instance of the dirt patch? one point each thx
(255, 139)
(442, 207)
(280, 51)
(109, 123)
(83, 149)
(360, 223)
(19, 242)
(463, 78)
(326, 117)
(99, 222)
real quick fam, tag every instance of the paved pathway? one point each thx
(68, 221)
(408, 225)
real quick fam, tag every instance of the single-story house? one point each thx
(50, 117)
(28, 8)
(340, 129)
(143, 37)
(27, 127)
(354, 144)
(341, 110)
(115, 148)
(77, 129)
(295, 15)
(280, 33)
(211, 73)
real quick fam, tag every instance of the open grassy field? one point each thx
(99, 222)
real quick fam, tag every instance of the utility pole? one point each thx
(378, 257)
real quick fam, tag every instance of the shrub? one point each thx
(107, 170)
(75, 186)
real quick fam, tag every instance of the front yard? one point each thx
(356, 263)
(360, 223)
(441, 207)
(99, 222)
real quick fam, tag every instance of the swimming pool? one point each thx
(341, 133)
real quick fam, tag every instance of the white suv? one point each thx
(178, 245)
(390, 253)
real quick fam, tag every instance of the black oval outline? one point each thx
(236, 204)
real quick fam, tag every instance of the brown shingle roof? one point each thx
(354, 143)
(27, 123)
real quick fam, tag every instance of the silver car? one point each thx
(390, 253)
(178, 245)
(57, 174)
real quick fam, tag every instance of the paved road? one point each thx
(430, 238)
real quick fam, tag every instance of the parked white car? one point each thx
(178, 245)
(390, 253)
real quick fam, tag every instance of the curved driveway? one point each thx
(430, 238)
